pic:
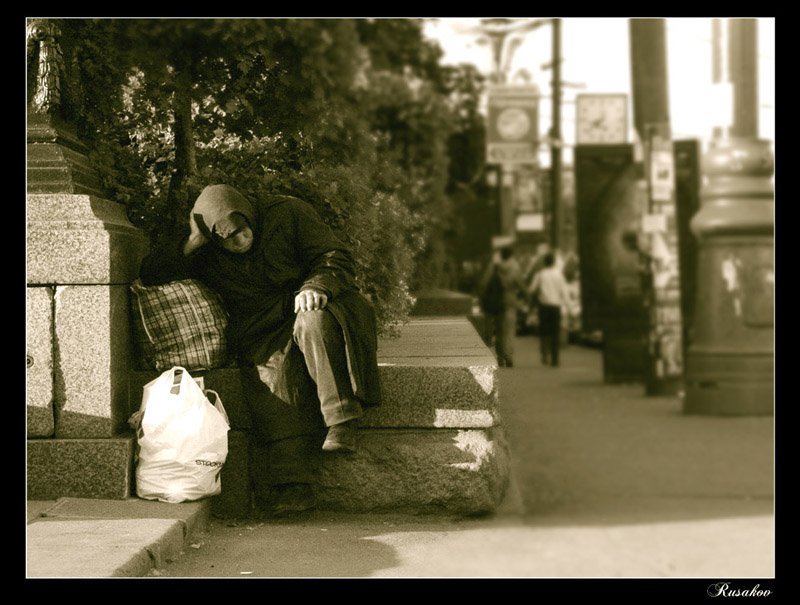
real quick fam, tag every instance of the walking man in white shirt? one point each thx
(550, 288)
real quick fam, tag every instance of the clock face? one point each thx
(513, 124)
(602, 119)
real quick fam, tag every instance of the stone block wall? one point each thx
(80, 468)
(93, 347)
(82, 255)
(39, 392)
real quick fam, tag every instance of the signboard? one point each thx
(512, 135)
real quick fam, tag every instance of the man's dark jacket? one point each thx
(293, 250)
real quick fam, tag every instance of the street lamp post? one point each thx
(729, 362)
(501, 33)
(555, 135)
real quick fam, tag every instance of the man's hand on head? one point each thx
(309, 300)
(196, 237)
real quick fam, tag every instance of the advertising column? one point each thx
(658, 233)
(659, 228)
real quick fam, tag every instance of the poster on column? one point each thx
(662, 170)
(663, 175)
(512, 133)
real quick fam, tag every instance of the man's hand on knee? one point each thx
(309, 300)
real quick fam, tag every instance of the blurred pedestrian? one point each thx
(571, 319)
(549, 288)
(536, 262)
(501, 288)
(534, 265)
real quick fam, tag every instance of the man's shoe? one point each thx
(341, 438)
(292, 499)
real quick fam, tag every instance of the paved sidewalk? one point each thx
(607, 483)
(88, 538)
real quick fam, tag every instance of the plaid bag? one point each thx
(181, 323)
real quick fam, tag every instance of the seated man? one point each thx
(304, 337)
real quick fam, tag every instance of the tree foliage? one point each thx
(356, 116)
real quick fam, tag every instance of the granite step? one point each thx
(437, 374)
(436, 444)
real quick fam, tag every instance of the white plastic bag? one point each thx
(183, 440)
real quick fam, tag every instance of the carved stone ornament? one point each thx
(46, 70)
(57, 159)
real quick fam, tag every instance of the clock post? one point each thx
(511, 140)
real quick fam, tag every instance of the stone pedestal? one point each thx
(57, 161)
(81, 239)
(82, 254)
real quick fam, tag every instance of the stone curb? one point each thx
(85, 538)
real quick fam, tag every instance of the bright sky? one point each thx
(596, 54)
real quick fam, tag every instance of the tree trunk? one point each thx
(183, 185)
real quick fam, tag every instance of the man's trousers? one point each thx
(315, 392)
(505, 334)
(549, 333)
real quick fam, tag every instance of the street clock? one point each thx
(513, 124)
(601, 119)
